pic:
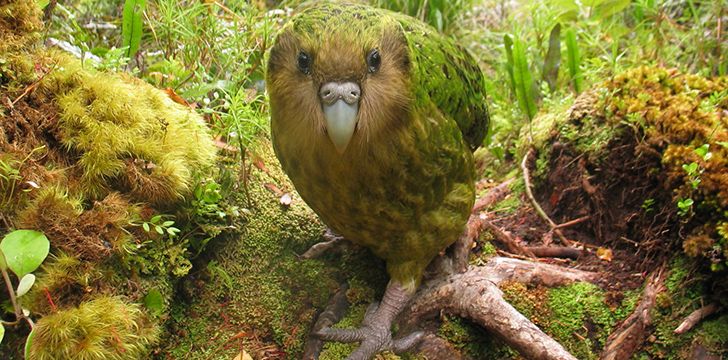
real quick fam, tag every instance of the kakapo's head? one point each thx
(339, 73)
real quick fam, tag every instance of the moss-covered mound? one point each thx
(253, 291)
(93, 160)
(645, 155)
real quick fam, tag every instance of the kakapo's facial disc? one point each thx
(340, 75)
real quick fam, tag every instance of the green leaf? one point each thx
(2, 333)
(168, 223)
(607, 8)
(523, 79)
(29, 343)
(154, 302)
(573, 60)
(131, 25)
(508, 45)
(25, 284)
(553, 58)
(159, 229)
(42, 4)
(145, 226)
(155, 219)
(24, 250)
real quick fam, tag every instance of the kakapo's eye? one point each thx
(304, 62)
(374, 60)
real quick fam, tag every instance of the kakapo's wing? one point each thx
(450, 77)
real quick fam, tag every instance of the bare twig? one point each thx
(534, 203)
(32, 86)
(695, 317)
(573, 222)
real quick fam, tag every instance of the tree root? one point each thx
(335, 311)
(475, 295)
(527, 179)
(633, 331)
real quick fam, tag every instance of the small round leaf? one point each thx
(24, 250)
(25, 284)
(2, 333)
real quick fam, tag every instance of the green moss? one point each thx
(714, 333)
(19, 25)
(472, 340)
(129, 136)
(105, 328)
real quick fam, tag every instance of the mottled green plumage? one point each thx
(404, 186)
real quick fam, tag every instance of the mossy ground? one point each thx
(266, 290)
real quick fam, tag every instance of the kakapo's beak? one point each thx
(340, 102)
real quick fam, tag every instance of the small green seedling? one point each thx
(22, 252)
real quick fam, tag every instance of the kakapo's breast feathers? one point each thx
(442, 71)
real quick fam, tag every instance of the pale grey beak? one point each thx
(340, 103)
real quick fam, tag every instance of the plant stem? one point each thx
(11, 292)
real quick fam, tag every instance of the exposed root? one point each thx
(475, 295)
(331, 240)
(506, 239)
(493, 196)
(435, 347)
(461, 248)
(527, 179)
(633, 331)
(695, 317)
(335, 311)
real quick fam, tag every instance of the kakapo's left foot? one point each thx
(375, 333)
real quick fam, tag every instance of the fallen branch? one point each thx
(695, 317)
(633, 331)
(535, 204)
(475, 295)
